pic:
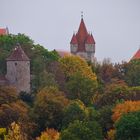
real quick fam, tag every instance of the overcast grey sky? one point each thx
(115, 24)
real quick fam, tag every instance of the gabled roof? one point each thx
(74, 40)
(3, 31)
(18, 55)
(137, 55)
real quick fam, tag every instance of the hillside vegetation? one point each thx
(70, 99)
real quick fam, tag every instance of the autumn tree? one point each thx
(48, 108)
(2, 133)
(113, 93)
(124, 108)
(49, 134)
(74, 64)
(8, 94)
(15, 132)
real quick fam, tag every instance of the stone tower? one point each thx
(18, 70)
(83, 43)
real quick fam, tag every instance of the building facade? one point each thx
(83, 43)
(18, 70)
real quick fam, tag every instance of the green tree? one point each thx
(79, 130)
(82, 88)
(104, 118)
(43, 79)
(76, 110)
(39, 56)
(132, 74)
(128, 127)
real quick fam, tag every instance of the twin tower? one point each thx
(83, 43)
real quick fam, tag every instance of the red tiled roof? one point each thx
(90, 39)
(3, 31)
(74, 40)
(18, 55)
(93, 39)
(82, 37)
(82, 32)
(137, 55)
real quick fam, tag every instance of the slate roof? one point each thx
(18, 54)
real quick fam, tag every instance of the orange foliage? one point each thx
(123, 108)
(49, 134)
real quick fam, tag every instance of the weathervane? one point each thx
(81, 14)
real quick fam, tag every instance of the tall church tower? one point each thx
(18, 70)
(83, 43)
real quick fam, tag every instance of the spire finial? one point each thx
(81, 14)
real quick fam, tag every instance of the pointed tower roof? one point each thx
(82, 32)
(90, 39)
(18, 55)
(74, 40)
(137, 55)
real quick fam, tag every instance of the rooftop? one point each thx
(18, 54)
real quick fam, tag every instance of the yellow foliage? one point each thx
(74, 64)
(111, 134)
(15, 132)
(49, 134)
(122, 108)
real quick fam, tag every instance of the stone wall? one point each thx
(18, 74)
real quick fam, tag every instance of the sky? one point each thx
(115, 24)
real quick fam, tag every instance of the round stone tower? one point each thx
(18, 70)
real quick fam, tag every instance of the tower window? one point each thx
(15, 64)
